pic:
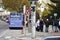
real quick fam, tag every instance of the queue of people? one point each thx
(55, 24)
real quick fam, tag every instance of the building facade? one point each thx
(3, 12)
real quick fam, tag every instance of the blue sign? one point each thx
(16, 20)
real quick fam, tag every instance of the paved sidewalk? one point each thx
(16, 35)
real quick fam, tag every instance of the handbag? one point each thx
(37, 28)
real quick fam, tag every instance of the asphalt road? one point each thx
(3, 26)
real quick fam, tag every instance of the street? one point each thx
(8, 34)
(3, 26)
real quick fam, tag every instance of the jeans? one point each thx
(41, 28)
(56, 28)
(46, 29)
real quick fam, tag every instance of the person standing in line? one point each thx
(56, 23)
(41, 25)
(50, 25)
(59, 24)
(47, 25)
(37, 28)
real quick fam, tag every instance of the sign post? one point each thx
(24, 28)
(33, 17)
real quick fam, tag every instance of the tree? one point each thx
(37, 16)
(56, 9)
(15, 5)
(37, 11)
(47, 11)
(54, 1)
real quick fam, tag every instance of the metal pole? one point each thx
(29, 22)
(33, 27)
(33, 17)
(24, 28)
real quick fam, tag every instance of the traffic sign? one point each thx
(27, 12)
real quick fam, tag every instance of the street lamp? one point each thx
(55, 15)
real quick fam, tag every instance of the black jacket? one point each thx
(47, 23)
(41, 23)
(56, 22)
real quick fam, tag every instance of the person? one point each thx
(41, 25)
(56, 23)
(27, 21)
(37, 28)
(59, 24)
(47, 25)
(50, 25)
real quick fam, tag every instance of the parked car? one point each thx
(7, 19)
(50, 38)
